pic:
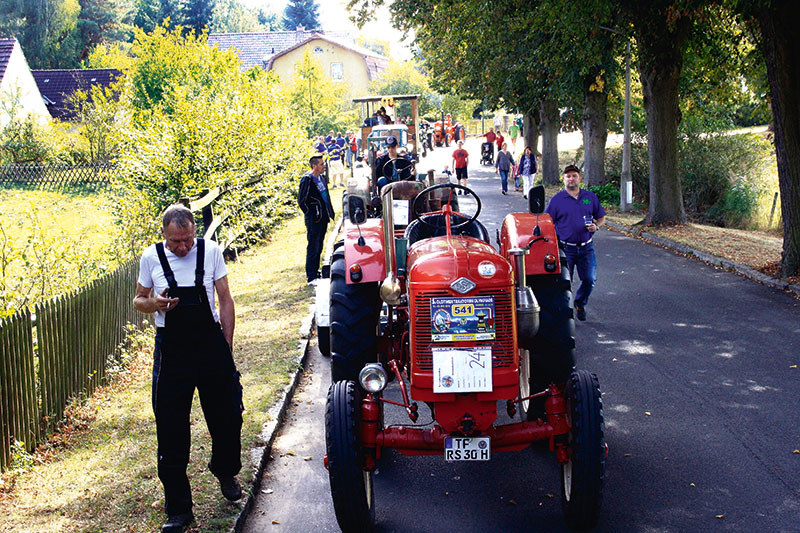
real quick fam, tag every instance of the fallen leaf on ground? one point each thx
(290, 452)
(796, 451)
(275, 522)
(647, 413)
(307, 458)
(267, 491)
(720, 516)
(549, 495)
(793, 366)
(691, 484)
(512, 502)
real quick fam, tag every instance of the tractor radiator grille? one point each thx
(502, 346)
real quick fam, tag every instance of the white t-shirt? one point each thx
(152, 275)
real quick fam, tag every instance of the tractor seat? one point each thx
(417, 230)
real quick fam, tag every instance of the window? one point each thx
(337, 71)
(317, 50)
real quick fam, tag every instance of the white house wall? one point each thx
(18, 80)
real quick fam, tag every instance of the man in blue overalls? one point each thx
(177, 279)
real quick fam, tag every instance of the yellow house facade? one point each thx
(341, 58)
(350, 65)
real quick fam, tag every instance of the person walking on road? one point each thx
(460, 162)
(315, 202)
(177, 280)
(335, 162)
(513, 132)
(526, 167)
(503, 165)
(499, 140)
(577, 215)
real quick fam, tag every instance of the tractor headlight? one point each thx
(390, 291)
(372, 377)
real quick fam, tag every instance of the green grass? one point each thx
(104, 477)
(51, 243)
(57, 212)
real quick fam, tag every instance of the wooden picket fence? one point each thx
(60, 354)
(55, 177)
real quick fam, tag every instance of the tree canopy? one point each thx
(303, 13)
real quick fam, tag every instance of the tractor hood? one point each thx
(439, 261)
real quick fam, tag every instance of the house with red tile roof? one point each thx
(337, 52)
(19, 95)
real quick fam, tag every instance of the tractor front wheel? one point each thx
(582, 476)
(354, 314)
(351, 485)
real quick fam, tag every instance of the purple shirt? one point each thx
(568, 213)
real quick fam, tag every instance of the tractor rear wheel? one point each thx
(552, 356)
(351, 485)
(354, 313)
(582, 477)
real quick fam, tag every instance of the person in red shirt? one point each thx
(499, 139)
(460, 162)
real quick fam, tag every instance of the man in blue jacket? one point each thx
(577, 215)
(315, 202)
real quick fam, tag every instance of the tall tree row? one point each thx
(542, 56)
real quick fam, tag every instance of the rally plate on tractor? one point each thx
(467, 449)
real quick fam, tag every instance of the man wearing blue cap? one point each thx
(388, 169)
(577, 215)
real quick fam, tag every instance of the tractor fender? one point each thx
(371, 256)
(518, 230)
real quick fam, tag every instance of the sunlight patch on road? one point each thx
(636, 348)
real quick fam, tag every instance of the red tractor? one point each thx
(420, 297)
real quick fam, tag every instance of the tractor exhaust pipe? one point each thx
(527, 306)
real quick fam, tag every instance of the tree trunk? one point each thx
(660, 44)
(782, 56)
(595, 133)
(550, 126)
(530, 125)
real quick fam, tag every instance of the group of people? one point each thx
(378, 118)
(340, 152)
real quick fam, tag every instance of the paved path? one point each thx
(700, 386)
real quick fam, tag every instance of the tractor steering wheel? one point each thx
(401, 165)
(417, 206)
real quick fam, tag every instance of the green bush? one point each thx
(608, 194)
(196, 122)
(23, 141)
(726, 180)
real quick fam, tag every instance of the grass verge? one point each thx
(100, 473)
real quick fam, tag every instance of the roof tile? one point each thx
(6, 47)
(57, 85)
(259, 48)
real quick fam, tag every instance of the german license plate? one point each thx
(466, 449)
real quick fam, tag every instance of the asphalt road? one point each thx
(702, 408)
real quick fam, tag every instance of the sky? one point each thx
(335, 17)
